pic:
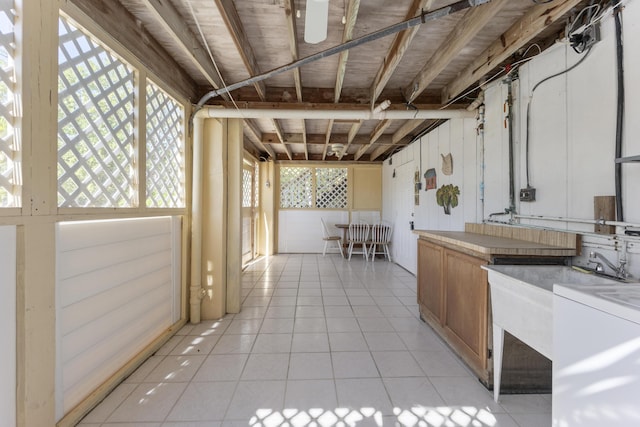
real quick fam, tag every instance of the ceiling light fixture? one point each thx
(344, 12)
(315, 21)
(336, 150)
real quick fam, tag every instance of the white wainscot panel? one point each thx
(117, 289)
(300, 231)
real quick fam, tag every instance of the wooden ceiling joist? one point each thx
(399, 46)
(473, 21)
(319, 139)
(289, 9)
(173, 24)
(324, 106)
(280, 136)
(255, 136)
(351, 137)
(229, 13)
(375, 135)
(347, 34)
(327, 137)
(520, 33)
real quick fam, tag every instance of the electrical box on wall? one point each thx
(528, 194)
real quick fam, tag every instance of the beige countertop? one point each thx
(493, 245)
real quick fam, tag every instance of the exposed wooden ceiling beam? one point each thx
(304, 140)
(347, 34)
(474, 20)
(280, 136)
(327, 137)
(320, 139)
(255, 136)
(520, 33)
(173, 23)
(406, 129)
(290, 12)
(399, 46)
(228, 11)
(350, 137)
(375, 135)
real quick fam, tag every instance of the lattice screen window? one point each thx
(296, 187)
(256, 185)
(331, 188)
(246, 188)
(95, 123)
(10, 183)
(165, 150)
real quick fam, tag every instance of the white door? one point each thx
(403, 240)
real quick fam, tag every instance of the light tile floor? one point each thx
(319, 341)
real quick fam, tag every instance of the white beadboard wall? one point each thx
(117, 289)
(8, 325)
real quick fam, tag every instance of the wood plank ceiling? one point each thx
(220, 42)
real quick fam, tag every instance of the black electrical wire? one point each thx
(619, 113)
(587, 52)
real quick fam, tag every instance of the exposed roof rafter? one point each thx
(520, 33)
(351, 17)
(375, 135)
(473, 21)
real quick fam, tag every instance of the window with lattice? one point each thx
(165, 150)
(247, 181)
(331, 188)
(296, 187)
(95, 123)
(10, 183)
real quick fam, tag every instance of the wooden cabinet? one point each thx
(466, 305)
(430, 291)
(453, 296)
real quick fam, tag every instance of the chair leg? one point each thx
(339, 243)
(365, 252)
(374, 246)
(350, 250)
(324, 251)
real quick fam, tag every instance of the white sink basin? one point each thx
(522, 304)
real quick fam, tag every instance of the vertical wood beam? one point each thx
(234, 214)
(397, 50)
(37, 66)
(520, 33)
(465, 30)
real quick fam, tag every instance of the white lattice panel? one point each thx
(246, 188)
(295, 187)
(95, 123)
(256, 185)
(165, 150)
(9, 153)
(331, 188)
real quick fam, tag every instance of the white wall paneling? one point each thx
(117, 289)
(300, 230)
(8, 325)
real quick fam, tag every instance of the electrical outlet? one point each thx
(591, 36)
(528, 194)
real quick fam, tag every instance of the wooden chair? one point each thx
(328, 238)
(358, 235)
(380, 237)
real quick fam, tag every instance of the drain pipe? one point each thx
(196, 292)
(327, 114)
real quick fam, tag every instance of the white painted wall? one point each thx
(8, 325)
(572, 145)
(300, 230)
(117, 289)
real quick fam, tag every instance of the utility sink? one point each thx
(522, 304)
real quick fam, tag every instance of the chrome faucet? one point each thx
(620, 270)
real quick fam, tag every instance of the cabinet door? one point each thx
(466, 301)
(430, 293)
